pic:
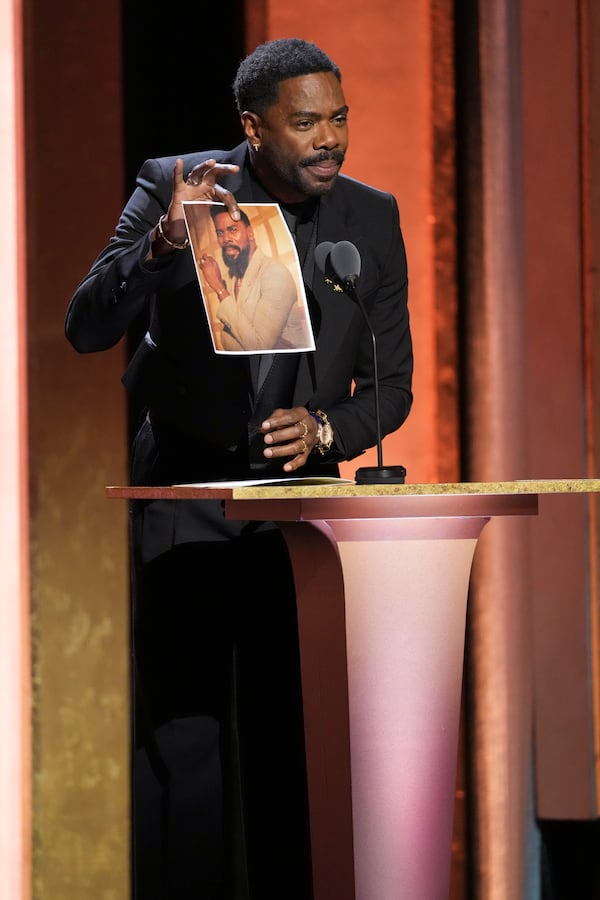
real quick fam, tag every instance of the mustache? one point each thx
(337, 156)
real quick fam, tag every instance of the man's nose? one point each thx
(327, 135)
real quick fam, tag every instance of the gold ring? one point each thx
(305, 432)
(305, 447)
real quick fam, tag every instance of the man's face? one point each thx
(303, 137)
(235, 240)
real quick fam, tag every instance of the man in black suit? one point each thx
(219, 779)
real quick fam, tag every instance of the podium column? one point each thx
(382, 658)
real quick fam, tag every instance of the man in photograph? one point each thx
(258, 298)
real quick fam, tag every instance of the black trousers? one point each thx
(219, 780)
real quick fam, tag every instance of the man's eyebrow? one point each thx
(311, 113)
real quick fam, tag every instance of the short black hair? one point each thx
(256, 84)
(217, 208)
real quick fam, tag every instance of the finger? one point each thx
(279, 418)
(178, 174)
(292, 422)
(223, 169)
(209, 171)
(199, 172)
(295, 463)
(299, 450)
(298, 440)
(300, 431)
(229, 200)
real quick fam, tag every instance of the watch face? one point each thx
(327, 435)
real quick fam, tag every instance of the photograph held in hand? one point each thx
(250, 278)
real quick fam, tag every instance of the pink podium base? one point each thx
(405, 626)
(403, 595)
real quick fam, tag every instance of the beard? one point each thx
(237, 267)
(293, 174)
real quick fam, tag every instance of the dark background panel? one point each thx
(177, 79)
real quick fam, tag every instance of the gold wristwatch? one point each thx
(324, 431)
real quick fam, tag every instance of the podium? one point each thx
(382, 575)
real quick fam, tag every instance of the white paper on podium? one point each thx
(275, 482)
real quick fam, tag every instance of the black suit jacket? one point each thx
(199, 401)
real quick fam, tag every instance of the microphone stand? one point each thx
(378, 474)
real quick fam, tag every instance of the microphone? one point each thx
(343, 260)
(322, 252)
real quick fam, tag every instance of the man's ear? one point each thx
(251, 127)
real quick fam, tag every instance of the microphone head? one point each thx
(346, 262)
(322, 252)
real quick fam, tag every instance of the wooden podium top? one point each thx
(306, 498)
(312, 488)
